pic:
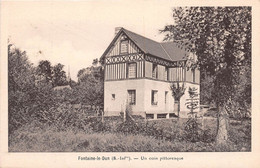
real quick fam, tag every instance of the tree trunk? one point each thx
(179, 108)
(222, 127)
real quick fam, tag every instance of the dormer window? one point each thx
(124, 47)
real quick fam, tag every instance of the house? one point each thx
(139, 73)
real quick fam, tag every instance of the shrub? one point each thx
(192, 130)
(97, 125)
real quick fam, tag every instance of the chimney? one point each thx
(117, 29)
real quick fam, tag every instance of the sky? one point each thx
(74, 33)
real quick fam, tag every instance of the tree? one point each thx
(59, 75)
(52, 74)
(20, 83)
(44, 69)
(206, 89)
(177, 92)
(91, 85)
(193, 102)
(192, 127)
(221, 39)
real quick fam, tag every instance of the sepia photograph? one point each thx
(102, 77)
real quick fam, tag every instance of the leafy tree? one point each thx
(95, 62)
(221, 39)
(90, 86)
(20, 83)
(45, 70)
(206, 88)
(59, 75)
(52, 74)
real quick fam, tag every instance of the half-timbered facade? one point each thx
(139, 72)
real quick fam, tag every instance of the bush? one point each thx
(192, 130)
(97, 125)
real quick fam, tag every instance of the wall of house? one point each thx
(176, 74)
(148, 69)
(161, 106)
(119, 88)
(143, 104)
(143, 89)
(119, 70)
(197, 76)
(190, 76)
(162, 74)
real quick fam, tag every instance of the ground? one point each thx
(166, 135)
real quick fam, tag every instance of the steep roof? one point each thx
(166, 50)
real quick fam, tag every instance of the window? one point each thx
(166, 93)
(161, 116)
(113, 96)
(131, 97)
(166, 77)
(132, 70)
(124, 47)
(155, 71)
(154, 97)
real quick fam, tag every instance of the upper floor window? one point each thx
(155, 71)
(166, 74)
(132, 70)
(124, 47)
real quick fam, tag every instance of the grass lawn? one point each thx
(39, 138)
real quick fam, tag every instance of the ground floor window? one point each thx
(131, 97)
(113, 96)
(166, 94)
(154, 97)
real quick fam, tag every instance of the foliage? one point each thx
(20, 83)
(31, 96)
(51, 74)
(220, 37)
(192, 127)
(45, 69)
(36, 137)
(193, 102)
(89, 90)
(59, 75)
(206, 89)
(97, 125)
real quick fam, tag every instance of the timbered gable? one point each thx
(131, 56)
(122, 46)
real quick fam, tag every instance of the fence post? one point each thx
(102, 116)
(124, 115)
